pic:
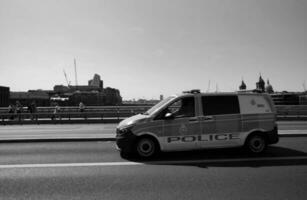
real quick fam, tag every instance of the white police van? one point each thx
(194, 120)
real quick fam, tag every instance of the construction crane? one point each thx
(76, 78)
(208, 89)
(68, 82)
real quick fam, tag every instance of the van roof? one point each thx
(197, 92)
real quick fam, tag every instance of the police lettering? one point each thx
(188, 139)
(173, 139)
(202, 138)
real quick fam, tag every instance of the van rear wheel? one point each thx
(256, 144)
(146, 147)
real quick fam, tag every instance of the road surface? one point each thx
(94, 170)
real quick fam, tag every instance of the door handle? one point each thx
(208, 118)
(193, 120)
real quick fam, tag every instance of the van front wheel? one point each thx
(256, 144)
(146, 147)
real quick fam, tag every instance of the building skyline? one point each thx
(96, 84)
(95, 94)
(92, 94)
(96, 81)
(149, 48)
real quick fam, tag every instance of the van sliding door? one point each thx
(221, 121)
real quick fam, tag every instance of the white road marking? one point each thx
(59, 135)
(177, 162)
(295, 131)
(68, 165)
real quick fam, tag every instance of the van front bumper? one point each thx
(273, 136)
(125, 143)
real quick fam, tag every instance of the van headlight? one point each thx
(124, 130)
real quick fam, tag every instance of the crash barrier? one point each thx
(75, 109)
(114, 114)
(91, 114)
(293, 110)
(63, 117)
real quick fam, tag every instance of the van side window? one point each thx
(220, 105)
(184, 107)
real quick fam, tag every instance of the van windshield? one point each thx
(159, 105)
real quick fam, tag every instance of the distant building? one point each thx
(143, 102)
(269, 88)
(92, 94)
(108, 97)
(4, 96)
(87, 98)
(61, 89)
(96, 81)
(242, 86)
(260, 85)
(286, 98)
(303, 98)
(41, 98)
(112, 96)
(70, 89)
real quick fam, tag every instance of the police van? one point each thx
(194, 120)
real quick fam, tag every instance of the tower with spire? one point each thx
(269, 88)
(242, 86)
(260, 85)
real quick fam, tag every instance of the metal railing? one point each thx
(292, 110)
(87, 109)
(71, 114)
(68, 116)
(102, 114)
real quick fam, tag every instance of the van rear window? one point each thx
(220, 105)
(252, 104)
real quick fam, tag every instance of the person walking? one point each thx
(11, 111)
(32, 109)
(18, 110)
(29, 110)
(81, 107)
(56, 110)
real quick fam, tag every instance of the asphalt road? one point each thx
(95, 170)
(58, 131)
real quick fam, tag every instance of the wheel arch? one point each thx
(260, 132)
(152, 136)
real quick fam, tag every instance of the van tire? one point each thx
(126, 155)
(146, 147)
(255, 143)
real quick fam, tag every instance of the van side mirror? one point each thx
(168, 116)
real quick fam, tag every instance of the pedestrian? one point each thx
(11, 111)
(32, 109)
(33, 105)
(18, 109)
(81, 107)
(56, 110)
(29, 108)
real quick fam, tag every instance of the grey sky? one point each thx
(147, 48)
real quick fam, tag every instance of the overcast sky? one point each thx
(146, 48)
